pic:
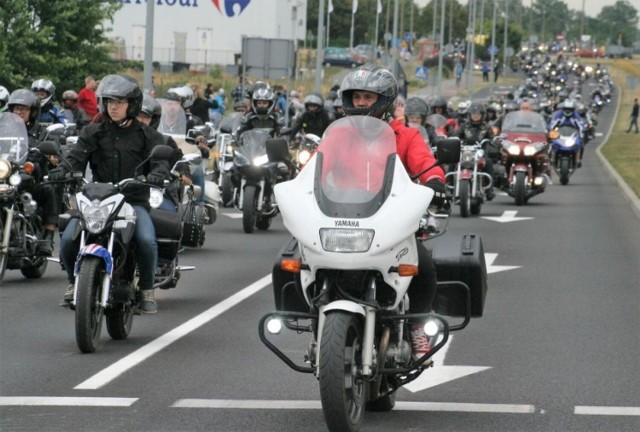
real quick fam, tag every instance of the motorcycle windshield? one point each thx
(524, 121)
(173, 120)
(230, 122)
(567, 131)
(355, 165)
(14, 142)
(253, 145)
(437, 121)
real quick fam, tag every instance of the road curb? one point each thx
(627, 192)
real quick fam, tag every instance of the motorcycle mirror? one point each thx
(277, 150)
(161, 152)
(49, 148)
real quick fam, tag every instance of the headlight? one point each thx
(95, 215)
(155, 198)
(303, 157)
(532, 149)
(15, 179)
(260, 160)
(513, 149)
(569, 142)
(346, 240)
(467, 157)
(5, 169)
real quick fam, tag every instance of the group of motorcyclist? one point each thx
(124, 131)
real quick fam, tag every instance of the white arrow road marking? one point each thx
(490, 258)
(507, 216)
(121, 366)
(441, 373)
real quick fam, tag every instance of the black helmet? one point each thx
(438, 102)
(120, 87)
(151, 108)
(313, 99)
(374, 79)
(416, 106)
(262, 94)
(43, 85)
(475, 108)
(27, 98)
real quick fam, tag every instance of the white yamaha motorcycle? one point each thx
(354, 212)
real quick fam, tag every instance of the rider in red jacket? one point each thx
(371, 90)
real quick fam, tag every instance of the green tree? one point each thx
(61, 40)
(619, 21)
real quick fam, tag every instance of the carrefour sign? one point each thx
(227, 7)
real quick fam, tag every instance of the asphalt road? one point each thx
(558, 348)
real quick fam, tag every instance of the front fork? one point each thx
(6, 235)
(107, 278)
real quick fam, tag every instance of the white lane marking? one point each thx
(606, 410)
(66, 401)
(402, 406)
(233, 215)
(490, 258)
(118, 368)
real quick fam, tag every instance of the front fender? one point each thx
(344, 305)
(97, 251)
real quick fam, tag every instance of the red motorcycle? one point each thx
(524, 155)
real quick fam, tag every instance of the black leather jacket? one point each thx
(113, 153)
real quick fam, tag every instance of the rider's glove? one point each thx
(440, 197)
(155, 179)
(57, 174)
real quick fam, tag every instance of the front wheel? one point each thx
(465, 198)
(564, 170)
(120, 321)
(249, 209)
(88, 309)
(3, 255)
(227, 189)
(342, 390)
(520, 188)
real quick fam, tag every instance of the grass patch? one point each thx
(622, 149)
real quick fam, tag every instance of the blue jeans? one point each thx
(198, 179)
(146, 252)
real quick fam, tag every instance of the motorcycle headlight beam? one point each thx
(274, 326)
(5, 169)
(260, 160)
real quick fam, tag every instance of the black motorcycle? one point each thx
(256, 171)
(21, 229)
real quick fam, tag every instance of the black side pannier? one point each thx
(286, 286)
(168, 226)
(193, 231)
(459, 258)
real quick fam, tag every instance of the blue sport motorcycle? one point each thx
(566, 151)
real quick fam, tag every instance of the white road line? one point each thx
(233, 215)
(66, 401)
(115, 370)
(401, 406)
(609, 411)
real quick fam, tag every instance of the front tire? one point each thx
(342, 391)
(520, 187)
(249, 209)
(3, 255)
(119, 322)
(564, 171)
(465, 198)
(227, 189)
(88, 309)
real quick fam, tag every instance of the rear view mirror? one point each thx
(277, 150)
(49, 148)
(161, 152)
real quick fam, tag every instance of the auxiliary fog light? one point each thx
(431, 328)
(538, 181)
(274, 326)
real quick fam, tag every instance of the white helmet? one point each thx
(4, 98)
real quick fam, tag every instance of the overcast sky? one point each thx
(591, 7)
